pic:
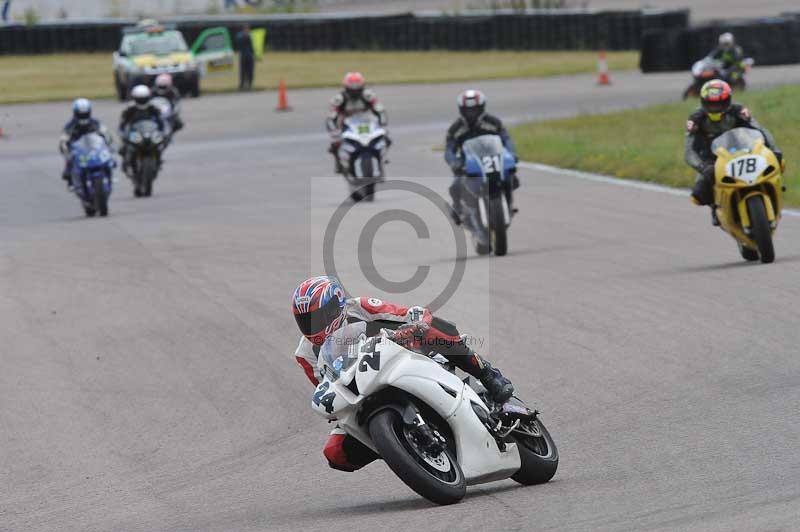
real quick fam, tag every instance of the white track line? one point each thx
(630, 183)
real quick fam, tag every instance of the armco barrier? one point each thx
(773, 41)
(529, 30)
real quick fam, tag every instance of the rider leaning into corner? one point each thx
(473, 121)
(320, 308)
(354, 99)
(730, 55)
(716, 115)
(81, 124)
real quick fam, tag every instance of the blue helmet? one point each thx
(82, 111)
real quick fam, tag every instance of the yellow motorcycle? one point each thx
(748, 191)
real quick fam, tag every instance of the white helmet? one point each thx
(726, 40)
(82, 111)
(141, 95)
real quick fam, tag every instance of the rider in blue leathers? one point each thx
(81, 123)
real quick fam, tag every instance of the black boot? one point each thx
(703, 190)
(500, 388)
(714, 219)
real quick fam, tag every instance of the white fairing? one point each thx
(361, 131)
(747, 168)
(390, 364)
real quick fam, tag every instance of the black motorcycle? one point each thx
(145, 143)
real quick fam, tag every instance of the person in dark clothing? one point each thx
(140, 109)
(81, 124)
(731, 56)
(246, 58)
(473, 122)
(717, 114)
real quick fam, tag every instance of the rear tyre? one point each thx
(760, 230)
(498, 229)
(537, 452)
(437, 478)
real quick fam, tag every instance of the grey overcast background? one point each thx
(701, 9)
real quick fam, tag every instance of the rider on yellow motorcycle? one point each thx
(717, 114)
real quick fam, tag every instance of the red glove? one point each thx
(411, 335)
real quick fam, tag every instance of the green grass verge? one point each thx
(647, 144)
(34, 78)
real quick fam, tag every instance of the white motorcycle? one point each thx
(164, 107)
(435, 431)
(362, 154)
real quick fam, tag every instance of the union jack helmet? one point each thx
(318, 305)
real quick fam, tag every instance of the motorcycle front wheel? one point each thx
(437, 478)
(498, 230)
(537, 453)
(760, 229)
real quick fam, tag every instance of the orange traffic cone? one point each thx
(602, 69)
(283, 99)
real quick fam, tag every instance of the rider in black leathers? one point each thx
(716, 115)
(140, 109)
(473, 122)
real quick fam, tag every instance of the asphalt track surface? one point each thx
(147, 381)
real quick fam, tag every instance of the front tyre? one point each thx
(498, 229)
(100, 197)
(760, 230)
(437, 478)
(537, 453)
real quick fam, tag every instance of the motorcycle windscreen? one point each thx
(362, 123)
(737, 139)
(340, 350)
(93, 150)
(484, 155)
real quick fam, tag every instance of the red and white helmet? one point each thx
(163, 83)
(471, 105)
(353, 84)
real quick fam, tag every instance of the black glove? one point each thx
(457, 168)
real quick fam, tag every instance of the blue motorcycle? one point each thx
(486, 196)
(91, 168)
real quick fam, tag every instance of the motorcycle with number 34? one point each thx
(748, 192)
(437, 433)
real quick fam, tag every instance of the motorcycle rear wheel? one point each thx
(760, 229)
(439, 479)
